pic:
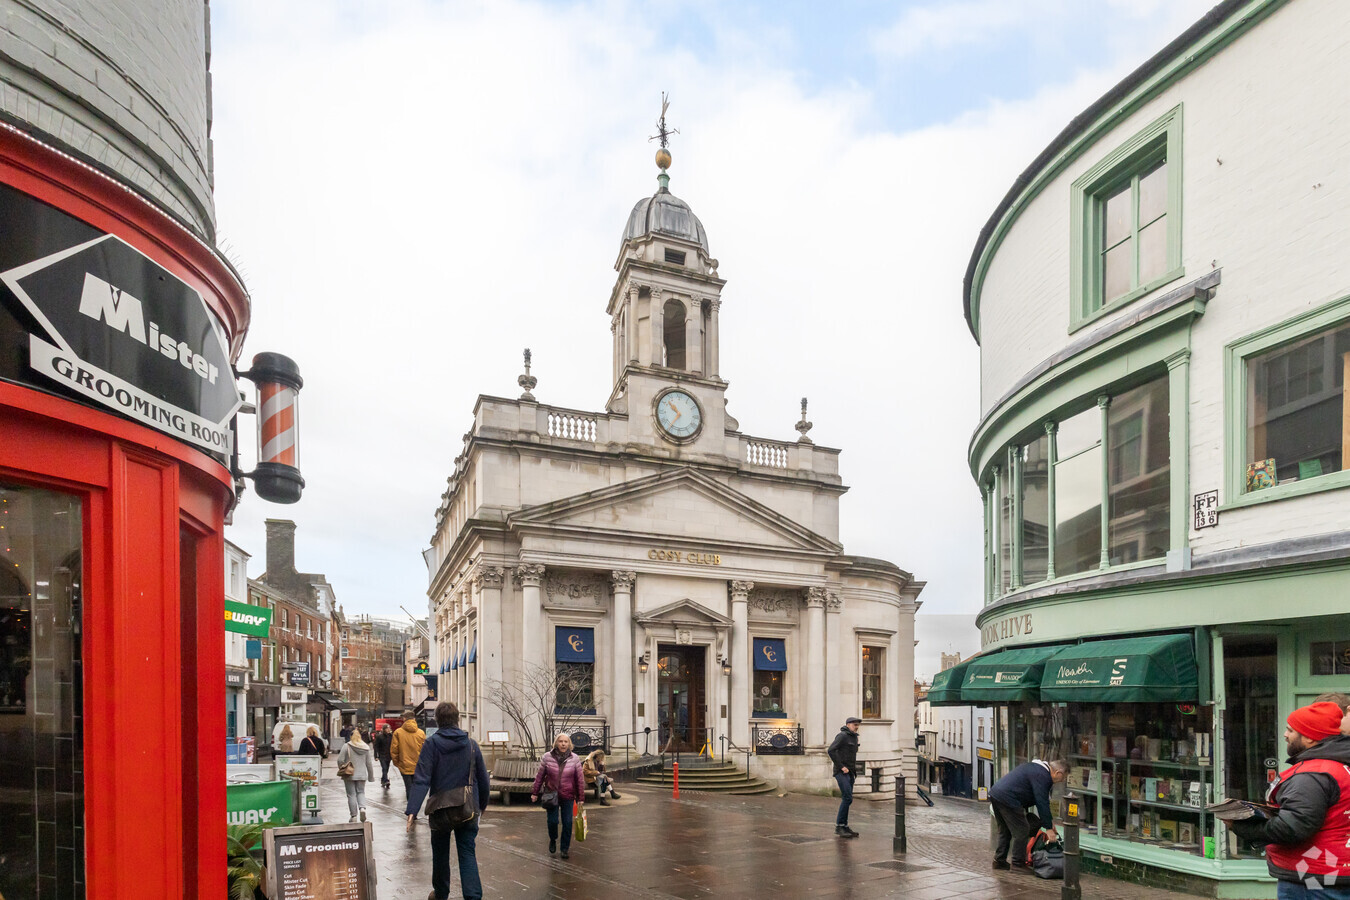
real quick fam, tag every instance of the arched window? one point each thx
(672, 318)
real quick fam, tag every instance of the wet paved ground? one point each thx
(707, 845)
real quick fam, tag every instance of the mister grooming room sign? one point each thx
(319, 862)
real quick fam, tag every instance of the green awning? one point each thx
(946, 689)
(1159, 668)
(1007, 676)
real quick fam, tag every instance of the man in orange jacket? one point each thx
(404, 750)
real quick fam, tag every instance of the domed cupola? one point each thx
(664, 213)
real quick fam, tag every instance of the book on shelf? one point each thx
(1234, 810)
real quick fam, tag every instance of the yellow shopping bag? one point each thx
(579, 824)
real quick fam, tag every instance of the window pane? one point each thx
(1153, 193)
(1077, 433)
(41, 694)
(1140, 470)
(1252, 721)
(1116, 213)
(1004, 531)
(1117, 274)
(1295, 409)
(871, 673)
(1078, 500)
(768, 700)
(1153, 251)
(1035, 510)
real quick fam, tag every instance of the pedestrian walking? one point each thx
(844, 754)
(313, 745)
(1025, 786)
(450, 759)
(356, 753)
(593, 767)
(383, 742)
(559, 783)
(1307, 838)
(404, 748)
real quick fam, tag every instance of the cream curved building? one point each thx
(1163, 314)
(689, 576)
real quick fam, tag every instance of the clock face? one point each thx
(678, 414)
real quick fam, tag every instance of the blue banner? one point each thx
(575, 645)
(253, 649)
(770, 655)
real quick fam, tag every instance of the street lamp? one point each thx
(643, 663)
(726, 666)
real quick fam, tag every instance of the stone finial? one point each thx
(803, 426)
(527, 381)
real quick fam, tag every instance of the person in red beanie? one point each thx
(1308, 839)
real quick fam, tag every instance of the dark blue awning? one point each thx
(463, 657)
(473, 654)
(575, 645)
(454, 661)
(770, 655)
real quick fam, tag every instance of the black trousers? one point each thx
(1013, 831)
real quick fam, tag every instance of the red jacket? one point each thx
(567, 780)
(1325, 853)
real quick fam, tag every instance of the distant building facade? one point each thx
(673, 573)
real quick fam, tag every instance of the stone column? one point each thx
(711, 369)
(530, 576)
(693, 336)
(491, 653)
(623, 658)
(657, 320)
(630, 320)
(814, 649)
(738, 703)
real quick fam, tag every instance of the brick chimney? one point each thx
(280, 551)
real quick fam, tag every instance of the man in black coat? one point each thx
(384, 739)
(1027, 785)
(844, 754)
(451, 759)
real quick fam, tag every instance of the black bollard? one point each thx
(1072, 814)
(899, 843)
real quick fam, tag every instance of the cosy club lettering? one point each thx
(1003, 629)
(688, 558)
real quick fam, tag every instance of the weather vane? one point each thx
(663, 134)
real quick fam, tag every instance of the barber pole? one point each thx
(277, 477)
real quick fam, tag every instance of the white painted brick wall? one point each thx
(121, 82)
(1274, 215)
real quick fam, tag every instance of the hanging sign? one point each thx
(244, 618)
(335, 862)
(258, 803)
(117, 328)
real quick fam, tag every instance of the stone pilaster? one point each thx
(738, 704)
(814, 720)
(622, 658)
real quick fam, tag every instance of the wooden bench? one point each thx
(512, 776)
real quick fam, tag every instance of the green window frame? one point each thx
(1123, 169)
(1324, 318)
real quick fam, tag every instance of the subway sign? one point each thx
(242, 618)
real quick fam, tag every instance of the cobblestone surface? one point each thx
(708, 845)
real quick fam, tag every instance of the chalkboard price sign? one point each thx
(320, 862)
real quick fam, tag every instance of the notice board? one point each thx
(319, 862)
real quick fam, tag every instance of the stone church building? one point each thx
(687, 576)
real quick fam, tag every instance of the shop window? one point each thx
(770, 655)
(1078, 493)
(1139, 472)
(574, 660)
(1005, 520)
(1330, 658)
(872, 673)
(1034, 503)
(41, 694)
(1295, 418)
(1126, 213)
(1250, 664)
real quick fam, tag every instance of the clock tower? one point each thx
(664, 319)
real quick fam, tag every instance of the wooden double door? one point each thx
(681, 697)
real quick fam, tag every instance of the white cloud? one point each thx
(943, 26)
(418, 199)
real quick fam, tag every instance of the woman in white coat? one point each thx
(359, 753)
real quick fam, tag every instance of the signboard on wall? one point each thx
(299, 674)
(259, 802)
(107, 324)
(335, 862)
(244, 618)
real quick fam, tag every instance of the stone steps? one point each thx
(704, 776)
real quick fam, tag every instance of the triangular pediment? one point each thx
(683, 612)
(682, 504)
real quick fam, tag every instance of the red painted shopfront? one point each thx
(113, 553)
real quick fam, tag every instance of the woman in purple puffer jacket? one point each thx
(560, 770)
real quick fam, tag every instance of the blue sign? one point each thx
(575, 645)
(770, 655)
(253, 649)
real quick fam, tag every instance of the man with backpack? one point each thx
(1027, 785)
(449, 760)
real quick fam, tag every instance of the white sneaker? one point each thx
(363, 814)
(352, 819)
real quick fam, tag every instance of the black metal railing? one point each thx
(728, 742)
(585, 738)
(694, 742)
(782, 740)
(633, 744)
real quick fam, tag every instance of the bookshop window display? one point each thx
(1144, 770)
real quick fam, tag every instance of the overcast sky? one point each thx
(415, 191)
